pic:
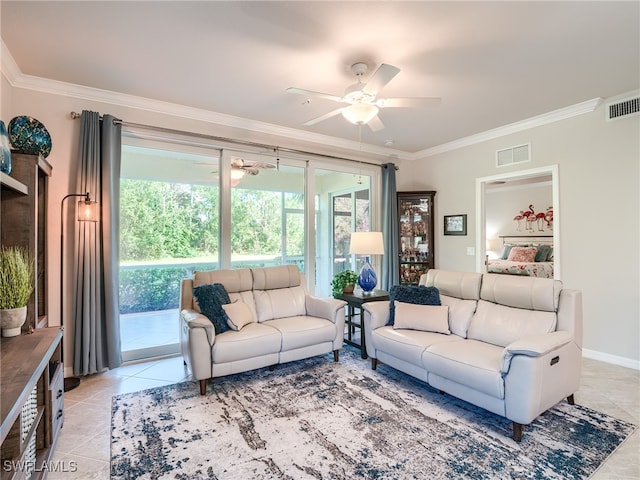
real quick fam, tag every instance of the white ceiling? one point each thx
(492, 63)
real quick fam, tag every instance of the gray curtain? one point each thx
(96, 306)
(390, 267)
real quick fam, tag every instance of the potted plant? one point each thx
(343, 282)
(16, 286)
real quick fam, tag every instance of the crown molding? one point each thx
(17, 79)
(537, 121)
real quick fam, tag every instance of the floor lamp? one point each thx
(87, 212)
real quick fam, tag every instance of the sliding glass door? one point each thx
(186, 206)
(169, 226)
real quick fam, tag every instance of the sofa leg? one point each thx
(374, 363)
(517, 431)
(336, 355)
(203, 387)
(571, 400)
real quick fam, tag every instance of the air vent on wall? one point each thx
(623, 108)
(512, 155)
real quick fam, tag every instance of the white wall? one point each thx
(598, 165)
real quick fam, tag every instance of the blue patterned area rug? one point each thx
(316, 419)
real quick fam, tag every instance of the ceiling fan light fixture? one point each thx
(236, 173)
(360, 113)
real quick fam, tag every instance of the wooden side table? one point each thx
(355, 300)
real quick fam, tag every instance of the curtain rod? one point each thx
(76, 115)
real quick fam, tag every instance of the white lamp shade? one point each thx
(366, 243)
(360, 113)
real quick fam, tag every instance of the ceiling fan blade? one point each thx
(383, 75)
(409, 102)
(258, 165)
(319, 119)
(375, 124)
(311, 93)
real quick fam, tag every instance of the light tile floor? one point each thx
(83, 445)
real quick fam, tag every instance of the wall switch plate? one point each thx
(471, 250)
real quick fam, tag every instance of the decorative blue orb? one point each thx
(29, 136)
(5, 151)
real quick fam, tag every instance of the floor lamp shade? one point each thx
(87, 211)
(367, 243)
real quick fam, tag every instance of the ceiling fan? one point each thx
(240, 168)
(251, 168)
(361, 99)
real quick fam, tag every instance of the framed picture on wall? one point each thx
(455, 224)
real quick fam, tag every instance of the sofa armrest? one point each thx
(376, 315)
(328, 308)
(534, 346)
(193, 319)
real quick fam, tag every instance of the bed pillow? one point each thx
(522, 254)
(426, 318)
(210, 299)
(238, 315)
(505, 252)
(415, 294)
(542, 255)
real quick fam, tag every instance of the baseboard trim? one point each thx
(613, 359)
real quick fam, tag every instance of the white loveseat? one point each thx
(285, 323)
(514, 347)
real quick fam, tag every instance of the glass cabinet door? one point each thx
(415, 213)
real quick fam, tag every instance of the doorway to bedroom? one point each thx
(507, 208)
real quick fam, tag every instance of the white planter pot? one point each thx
(11, 321)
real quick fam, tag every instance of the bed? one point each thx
(524, 255)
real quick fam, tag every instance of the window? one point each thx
(169, 226)
(180, 213)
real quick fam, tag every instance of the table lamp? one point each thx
(367, 243)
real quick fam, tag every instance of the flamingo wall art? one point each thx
(534, 221)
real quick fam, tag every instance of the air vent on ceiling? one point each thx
(623, 108)
(512, 155)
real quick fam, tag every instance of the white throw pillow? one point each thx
(239, 315)
(427, 318)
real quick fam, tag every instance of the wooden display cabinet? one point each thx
(32, 402)
(23, 214)
(416, 248)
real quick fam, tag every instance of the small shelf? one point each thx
(13, 184)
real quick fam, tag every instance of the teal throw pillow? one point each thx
(210, 298)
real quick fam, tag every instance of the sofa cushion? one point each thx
(460, 313)
(270, 278)
(467, 362)
(238, 315)
(465, 285)
(531, 293)
(210, 298)
(415, 294)
(282, 302)
(501, 325)
(238, 280)
(303, 331)
(407, 345)
(252, 341)
(426, 318)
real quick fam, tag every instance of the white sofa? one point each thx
(285, 324)
(514, 347)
